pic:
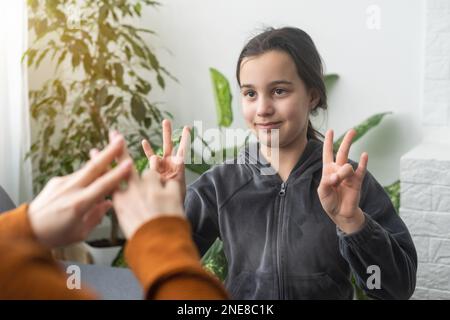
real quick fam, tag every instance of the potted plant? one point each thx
(104, 71)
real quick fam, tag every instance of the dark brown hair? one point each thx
(300, 47)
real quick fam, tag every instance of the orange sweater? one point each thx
(161, 254)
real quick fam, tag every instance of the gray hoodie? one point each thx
(281, 244)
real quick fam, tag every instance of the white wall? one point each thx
(425, 170)
(380, 70)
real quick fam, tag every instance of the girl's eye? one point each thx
(279, 91)
(250, 94)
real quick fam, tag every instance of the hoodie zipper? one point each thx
(279, 238)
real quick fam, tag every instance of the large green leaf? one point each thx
(215, 261)
(120, 261)
(330, 80)
(138, 108)
(363, 128)
(359, 293)
(393, 191)
(222, 94)
(198, 168)
(141, 164)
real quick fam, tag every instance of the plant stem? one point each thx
(114, 237)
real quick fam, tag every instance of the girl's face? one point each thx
(274, 97)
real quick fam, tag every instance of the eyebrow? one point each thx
(271, 84)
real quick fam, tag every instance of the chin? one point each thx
(266, 139)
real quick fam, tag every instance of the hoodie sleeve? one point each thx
(383, 247)
(201, 210)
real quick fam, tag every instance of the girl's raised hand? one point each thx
(169, 166)
(340, 186)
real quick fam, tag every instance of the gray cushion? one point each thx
(6, 203)
(110, 283)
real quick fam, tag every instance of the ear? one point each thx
(314, 98)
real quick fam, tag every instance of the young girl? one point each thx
(300, 233)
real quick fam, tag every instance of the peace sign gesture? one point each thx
(169, 166)
(340, 186)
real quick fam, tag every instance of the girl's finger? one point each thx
(343, 173)
(328, 148)
(147, 149)
(185, 138)
(362, 166)
(167, 138)
(325, 187)
(327, 183)
(344, 148)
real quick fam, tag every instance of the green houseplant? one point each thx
(104, 71)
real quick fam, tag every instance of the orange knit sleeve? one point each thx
(16, 223)
(28, 272)
(164, 258)
(161, 254)
(27, 269)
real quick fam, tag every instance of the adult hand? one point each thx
(70, 207)
(146, 198)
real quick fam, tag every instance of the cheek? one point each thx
(296, 111)
(296, 114)
(249, 114)
(290, 113)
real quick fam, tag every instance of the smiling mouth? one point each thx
(268, 125)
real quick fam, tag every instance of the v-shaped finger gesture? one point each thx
(170, 166)
(340, 186)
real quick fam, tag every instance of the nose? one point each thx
(265, 107)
